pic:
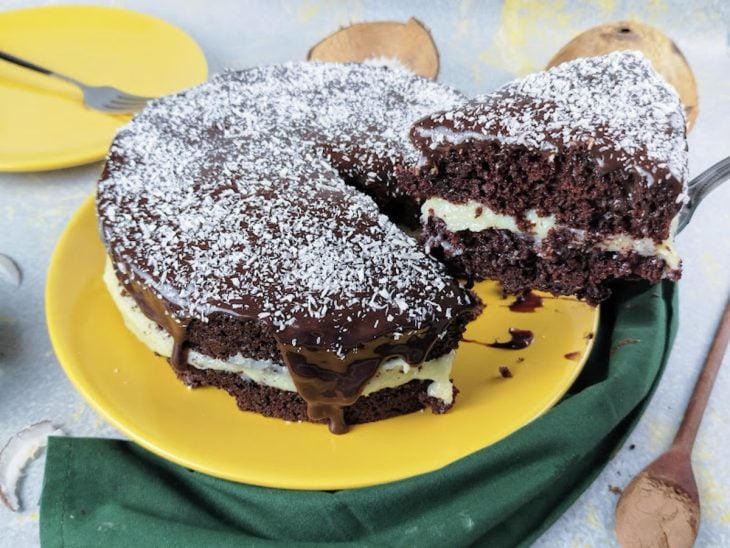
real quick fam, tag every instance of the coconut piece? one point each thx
(653, 43)
(17, 453)
(9, 271)
(410, 43)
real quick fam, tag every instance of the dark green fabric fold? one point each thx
(114, 493)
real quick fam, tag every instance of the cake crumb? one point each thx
(505, 372)
(615, 490)
(620, 344)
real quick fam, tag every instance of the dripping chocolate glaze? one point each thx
(328, 383)
(156, 310)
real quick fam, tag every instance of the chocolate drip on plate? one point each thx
(520, 338)
(526, 303)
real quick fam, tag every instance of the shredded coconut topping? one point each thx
(229, 197)
(617, 105)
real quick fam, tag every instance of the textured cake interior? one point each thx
(511, 180)
(290, 406)
(565, 180)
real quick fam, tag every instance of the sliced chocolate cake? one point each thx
(243, 247)
(564, 180)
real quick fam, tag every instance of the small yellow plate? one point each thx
(203, 429)
(43, 121)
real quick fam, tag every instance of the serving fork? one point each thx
(699, 187)
(103, 98)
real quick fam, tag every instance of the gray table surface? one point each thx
(482, 45)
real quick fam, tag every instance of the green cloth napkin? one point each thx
(100, 492)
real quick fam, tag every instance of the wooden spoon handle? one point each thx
(687, 433)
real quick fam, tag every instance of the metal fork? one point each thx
(103, 98)
(701, 186)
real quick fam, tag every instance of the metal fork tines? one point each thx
(701, 186)
(103, 98)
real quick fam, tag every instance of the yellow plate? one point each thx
(43, 122)
(204, 430)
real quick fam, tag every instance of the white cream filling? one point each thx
(476, 217)
(393, 373)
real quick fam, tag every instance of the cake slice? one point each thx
(564, 181)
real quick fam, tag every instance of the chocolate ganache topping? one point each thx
(231, 198)
(615, 108)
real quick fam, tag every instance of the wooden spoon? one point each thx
(660, 506)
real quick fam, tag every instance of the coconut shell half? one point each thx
(410, 43)
(653, 43)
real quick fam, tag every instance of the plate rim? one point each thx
(91, 154)
(81, 385)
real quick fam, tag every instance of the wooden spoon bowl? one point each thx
(660, 503)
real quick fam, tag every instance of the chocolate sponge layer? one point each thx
(272, 402)
(569, 185)
(560, 268)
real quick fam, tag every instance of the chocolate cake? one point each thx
(244, 224)
(564, 180)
